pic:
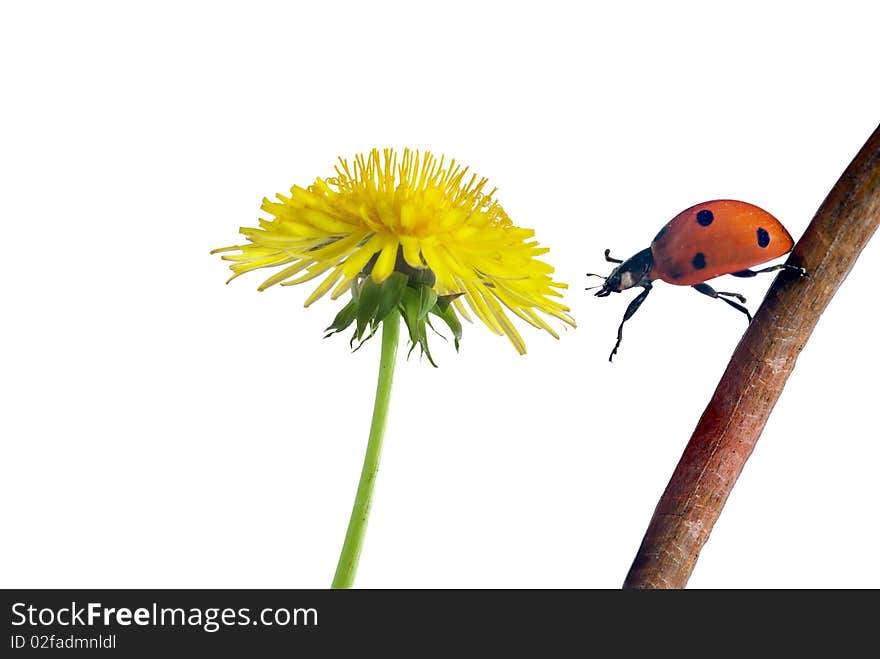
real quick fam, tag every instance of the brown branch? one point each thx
(729, 428)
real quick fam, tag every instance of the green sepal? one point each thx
(443, 301)
(355, 348)
(371, 304)
(427, 300)
(368, 302)
(409, 309)
(448, 316)
(421, 339)
(415, 305)
(390, 295)
(343, 319)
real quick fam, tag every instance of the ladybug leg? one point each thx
(705, 289)
(610, 258)
(782, 266)
(741, 298)
(630, 310)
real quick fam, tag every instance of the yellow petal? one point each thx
(356, 262)
(284, 274)
(506, 326)
(411, 253)
(385, 263)
(325, 286)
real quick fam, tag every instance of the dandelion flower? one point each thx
(408, 237)
(416, 216)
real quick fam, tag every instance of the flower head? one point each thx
(413, 233)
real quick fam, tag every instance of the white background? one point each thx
(161, 429)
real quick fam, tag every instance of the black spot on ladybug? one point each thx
(763, 237)
(660, 234)
(699, 261)
(676, 275)
(705, 218)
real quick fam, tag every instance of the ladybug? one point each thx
(713, 238)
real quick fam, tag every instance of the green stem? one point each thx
(357, 525)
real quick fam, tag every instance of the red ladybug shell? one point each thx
(716, 238)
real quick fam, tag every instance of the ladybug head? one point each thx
(632, 272)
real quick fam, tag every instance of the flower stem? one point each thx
(357, 525)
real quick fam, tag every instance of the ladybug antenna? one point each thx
(593, 274)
